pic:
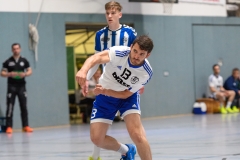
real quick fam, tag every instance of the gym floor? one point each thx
(187, 137)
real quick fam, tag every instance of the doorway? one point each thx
(80, 44)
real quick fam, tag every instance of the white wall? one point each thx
(97, 6)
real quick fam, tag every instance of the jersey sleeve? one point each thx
(132, 37)
(211, 81)
(137, 87)
(5, 66)
(117, 52)
(97, 43)
(27, 65)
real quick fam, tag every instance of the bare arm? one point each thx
(28, 72)
(222, 89)
(25, 74)
(212, 89)
(108, 92)
(4, 73)
(100, 58)
(92, 71)
(117, 94)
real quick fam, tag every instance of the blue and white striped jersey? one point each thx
(119, 74)
(105, 38)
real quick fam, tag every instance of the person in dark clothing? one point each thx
(15, 69)
(232, 83)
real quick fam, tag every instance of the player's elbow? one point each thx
(29, 71)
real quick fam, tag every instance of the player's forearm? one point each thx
(99, 58)
(117, 94)
(92, 71)
(222, 89)
(212, 89)
(4, 74)
(89, 63)
(29, 72)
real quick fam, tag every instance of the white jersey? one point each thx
(216, 82)
(119, 74)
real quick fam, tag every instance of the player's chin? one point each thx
(136, 63)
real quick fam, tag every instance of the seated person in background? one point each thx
(232, 83)
(216, 90)
(90, 97)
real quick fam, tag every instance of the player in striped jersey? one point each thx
(108, 37)
(115, 34)
(127, 70)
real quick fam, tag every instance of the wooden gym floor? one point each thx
(189, 137)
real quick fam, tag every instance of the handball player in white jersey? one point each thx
(126, 71)
(115, 34)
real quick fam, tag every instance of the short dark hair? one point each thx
(145, 43)
(234, 70)
(15, 44)
(215, 65)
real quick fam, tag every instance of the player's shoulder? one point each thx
(148, 70)
(211, 77)
(129, 29)
(121, 51)
(9, 59)
(147, 67)
(101, 31)
(23, 59)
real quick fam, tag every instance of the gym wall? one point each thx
(184, 47)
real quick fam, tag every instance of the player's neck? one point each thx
(114, 27)
(16, 56)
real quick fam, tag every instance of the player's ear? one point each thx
(120, 14)
(148, 55)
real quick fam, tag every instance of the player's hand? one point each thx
(85, 89)
(141, 90)
(81, 78)
(226, 93)
(98, 89)
(12, 74)
(22, 74)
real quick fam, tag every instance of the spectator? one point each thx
(231, 84)
(16, 68)
(216, 90)
(90, 97)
